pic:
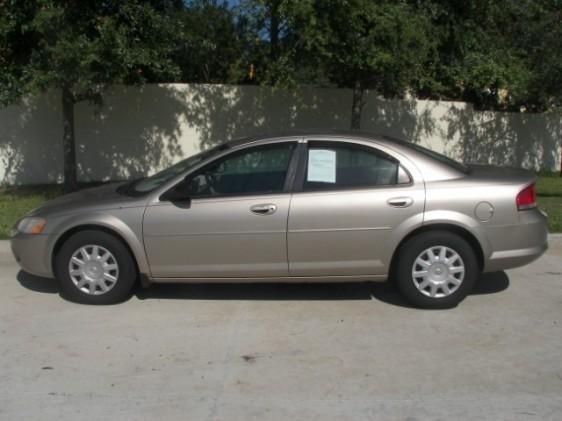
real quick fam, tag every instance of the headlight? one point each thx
(31, 225)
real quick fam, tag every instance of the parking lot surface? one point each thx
(300, 352)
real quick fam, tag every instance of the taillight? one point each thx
(527, 199)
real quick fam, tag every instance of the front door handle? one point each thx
(400, 202)
(265, 209)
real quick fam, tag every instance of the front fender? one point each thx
(126, 222)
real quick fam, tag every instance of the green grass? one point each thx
(17, 201)
(549, 198)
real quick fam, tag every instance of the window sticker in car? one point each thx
(321, 166)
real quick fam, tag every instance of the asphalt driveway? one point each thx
(300, 352)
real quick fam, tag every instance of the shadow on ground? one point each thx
(38, 283)
(488, 283)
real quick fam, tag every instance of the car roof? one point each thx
(308, 133)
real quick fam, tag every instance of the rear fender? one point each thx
(460, 220)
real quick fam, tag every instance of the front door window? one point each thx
(257, 170)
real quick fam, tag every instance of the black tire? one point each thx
(127, 274)
(409, 252)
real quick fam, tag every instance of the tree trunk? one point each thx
(274, 30)
(68, 142)
(357, 106)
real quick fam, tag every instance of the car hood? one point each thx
(92, 199)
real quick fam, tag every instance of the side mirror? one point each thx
(176, 197)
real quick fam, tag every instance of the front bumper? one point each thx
(32, 253)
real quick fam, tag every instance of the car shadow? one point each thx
(262, 291)
(489, 283)
(38, 283)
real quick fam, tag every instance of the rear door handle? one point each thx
(400, 202)
(264, 209)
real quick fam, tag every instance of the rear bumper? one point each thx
(31, 253)
(508, 259)
(529, 237)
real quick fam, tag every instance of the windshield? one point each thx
(145, 185)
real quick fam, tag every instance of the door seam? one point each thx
(287, 234)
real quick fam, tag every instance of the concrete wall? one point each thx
(140, 130)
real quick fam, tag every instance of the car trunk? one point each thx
(502, 175)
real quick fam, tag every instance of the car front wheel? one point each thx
(436, 269)
(94, 267)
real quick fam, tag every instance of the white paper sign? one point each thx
(321, 165)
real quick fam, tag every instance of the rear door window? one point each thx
(338, 165)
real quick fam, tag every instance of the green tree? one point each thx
(208, 45)
(359, 44)
(367, 45)
(478, 59)
(537, 35)
(80, 48)
(496, 54)
(281, 40)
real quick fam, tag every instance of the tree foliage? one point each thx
(384, 47)
(84, 45)
(208, 48)
(80, 48)
(281, 39)
(496, 54)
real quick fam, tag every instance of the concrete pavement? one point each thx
(299, 352)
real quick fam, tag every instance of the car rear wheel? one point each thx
(436, 269)
(94, 267)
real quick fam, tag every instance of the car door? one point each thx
(352, 199)
(231, 222)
